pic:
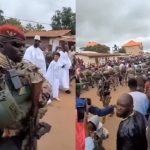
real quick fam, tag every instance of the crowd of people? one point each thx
(133, 107)
(55, 66)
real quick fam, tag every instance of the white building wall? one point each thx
(54, 43)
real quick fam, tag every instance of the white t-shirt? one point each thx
(140, 101)
(89, 143)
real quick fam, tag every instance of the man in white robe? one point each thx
(65, 61)
(35, 55)
(53, 75)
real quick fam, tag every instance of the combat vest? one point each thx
(14, 103)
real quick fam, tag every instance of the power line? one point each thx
(27, 20)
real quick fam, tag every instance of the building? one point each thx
(53, 37)
(89, 44)
(133, 48)
(97, 58)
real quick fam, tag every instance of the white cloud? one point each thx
(113, 22)
(36, 10)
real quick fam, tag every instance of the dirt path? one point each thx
(61, 116)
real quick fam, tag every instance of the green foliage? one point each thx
(13, 21)
(64, 19)
(98, 48)
(29, 27)
(122, 50)
(39, 27)
(1, 17)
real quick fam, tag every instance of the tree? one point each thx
(29, 27)
(98, 48)
(1, 17)
(14, 22)
(39, 27)
(122, 50)
(64, 19)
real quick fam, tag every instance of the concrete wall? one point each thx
(101, 60)
(44, 41)
(135, 50)
(87, 60)
(84, 58)
(54, 43)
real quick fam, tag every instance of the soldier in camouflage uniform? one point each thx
(88, 76)
(97, 75)
(83, 82)
(140, 79)
(104, 91)
(23, 95)
(130, 72)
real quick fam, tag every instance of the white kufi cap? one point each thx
(37, 37)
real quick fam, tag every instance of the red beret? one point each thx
(11, 31)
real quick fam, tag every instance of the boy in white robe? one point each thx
(53, 75)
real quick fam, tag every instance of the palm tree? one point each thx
(39, 27)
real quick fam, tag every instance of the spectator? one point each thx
(140, 100)
(132, 129)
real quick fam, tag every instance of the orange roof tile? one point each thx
(70, 38)
(89, 44)
(132, 43)
(52, 33)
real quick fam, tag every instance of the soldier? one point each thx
(84, 82)
(140, 79)
(88, 75)
(23, 94)
(96, 76)
(130, 72)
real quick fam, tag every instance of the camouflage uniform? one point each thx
(130, 73)
(96, 76)
(88, 76)
(140, 83)
(104, 89)
(18, 103)
(84, 84)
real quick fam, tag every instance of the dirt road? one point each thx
(61, 116)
